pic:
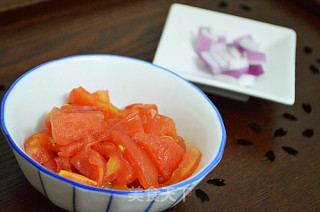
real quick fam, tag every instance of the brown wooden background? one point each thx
(40, 32)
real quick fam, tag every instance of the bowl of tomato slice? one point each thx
(111, 133)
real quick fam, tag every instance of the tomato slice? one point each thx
(67, 108)
(179, 140)
(90, 164)
(76, 127)
(47, 121)
(111, 122)
(134, 106)
(96, 160)
(71, 149)
(130, 125)
(187, 166)
(163, 150)
(51, 165)
(162, 125)
(118, 169)
(80, 96)
(112, 111)
(77, 178)
(52, 146)
(154, 123)
(142, 165)
(63, 163)
(36, 147)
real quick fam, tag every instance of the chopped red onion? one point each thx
(246, 42)
(237, 73)
(204, 40)
(236, 59)
(255, 57)
(255, 70)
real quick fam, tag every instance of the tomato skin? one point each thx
(165, 153)
(36, 147)
(187, 166)
(142, 165)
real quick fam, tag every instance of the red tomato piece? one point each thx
(67, 108)
(179, 140)
(47, 121)
(162, 125)
(112, 111)
(111, 122)
(100, 99)
(154, 123)
(80, 96)
(104, 99)
(163, 150)
(130, 125)
(106, 149)
(76, 127)
(51, 165)
(36, 147)
(71, 149)
(100, 163)
(142, 165)
(118, 170)
(103, 96)
(90, 164)
(187, 166)
(52, 146)
(134, 106)
(63, 163)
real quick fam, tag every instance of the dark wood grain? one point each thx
(36, 34)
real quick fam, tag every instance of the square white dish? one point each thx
(176, 53)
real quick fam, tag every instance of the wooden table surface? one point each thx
(49, 30)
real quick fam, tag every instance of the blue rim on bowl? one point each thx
(182, 184)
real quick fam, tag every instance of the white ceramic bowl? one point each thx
(128, 80)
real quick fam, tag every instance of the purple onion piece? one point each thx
(255, 70)
(204, 41)
(237, 73)
(255, 57)
(246, 42)
(234, 59)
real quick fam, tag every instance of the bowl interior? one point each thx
(33, 95)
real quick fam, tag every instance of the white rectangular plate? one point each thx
(176, 52)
